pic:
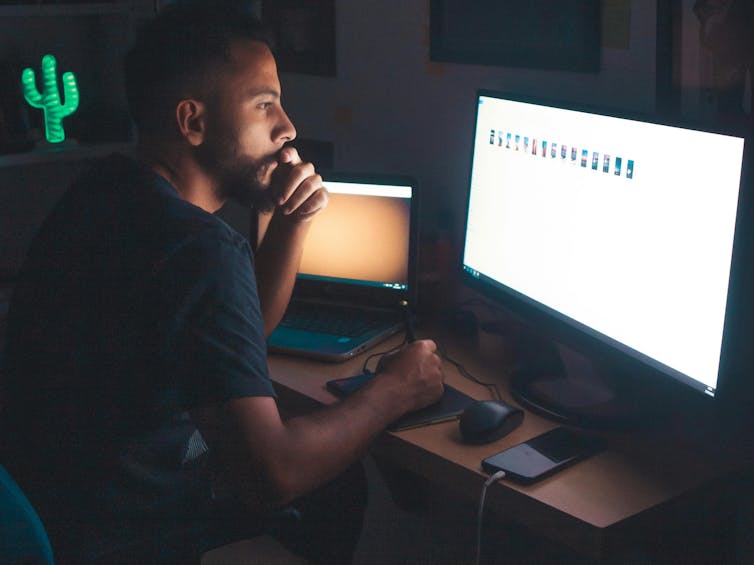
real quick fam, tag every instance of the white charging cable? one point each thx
(496, 477)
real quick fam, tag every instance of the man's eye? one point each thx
(264, 105)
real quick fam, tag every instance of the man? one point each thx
(138, 402)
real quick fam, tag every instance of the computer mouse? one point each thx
(485, 421)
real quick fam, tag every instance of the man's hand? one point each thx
(265, 454)
(299, 194)
(415, 371)
(298, 189)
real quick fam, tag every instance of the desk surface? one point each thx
(597, 506)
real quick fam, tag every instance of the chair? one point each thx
(23, 538)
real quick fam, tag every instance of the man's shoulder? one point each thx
(188, 223)
(212, 243)
(116, 168)
(151, 200)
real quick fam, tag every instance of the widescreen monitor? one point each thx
(614, 232)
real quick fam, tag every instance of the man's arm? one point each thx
(300, 196)
(276, 263)
(272, 461)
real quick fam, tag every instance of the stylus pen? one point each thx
(410, 337)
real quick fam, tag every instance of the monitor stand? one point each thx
(564, 385)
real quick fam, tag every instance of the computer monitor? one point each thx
(617, 236)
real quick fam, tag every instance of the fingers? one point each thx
(428, 344)
(309, 197)
(291, 176)
(417, 350)
(416, 369)
(300, 190)
(289, 155)
(425, 347)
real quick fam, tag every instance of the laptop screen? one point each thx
(362, 237)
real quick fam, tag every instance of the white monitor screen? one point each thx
(622, 228)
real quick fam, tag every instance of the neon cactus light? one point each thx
(49, 101)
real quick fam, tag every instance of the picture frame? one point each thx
(305, 33)
(712, 67)
(555, 36)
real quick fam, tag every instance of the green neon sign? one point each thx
(49, 100)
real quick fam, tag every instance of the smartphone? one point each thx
(348, 385)
(544, 455)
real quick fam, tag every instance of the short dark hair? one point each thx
(174, 55)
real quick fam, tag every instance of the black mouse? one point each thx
(489, 420)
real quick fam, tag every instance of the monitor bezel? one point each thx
(554, 326)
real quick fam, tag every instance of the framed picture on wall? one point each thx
(537, 35)
(713, 60)
(305, 31)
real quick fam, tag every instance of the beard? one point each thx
(241, 178)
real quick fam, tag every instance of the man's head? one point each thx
(202, 75)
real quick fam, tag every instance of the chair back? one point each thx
(23, 538)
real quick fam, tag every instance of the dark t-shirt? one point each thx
(133, 307)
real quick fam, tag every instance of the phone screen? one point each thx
(543, 455)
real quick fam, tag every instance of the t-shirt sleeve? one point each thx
(220, 352)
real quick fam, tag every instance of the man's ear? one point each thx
(191, 116)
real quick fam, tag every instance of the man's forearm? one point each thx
(277, 260)
(274, 461)
(313, 449)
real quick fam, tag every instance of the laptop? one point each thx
(358, 269)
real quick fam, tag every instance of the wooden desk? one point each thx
(648, 489)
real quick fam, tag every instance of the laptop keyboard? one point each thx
(333, 319)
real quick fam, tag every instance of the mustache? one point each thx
(268, 162)
(272, 158)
